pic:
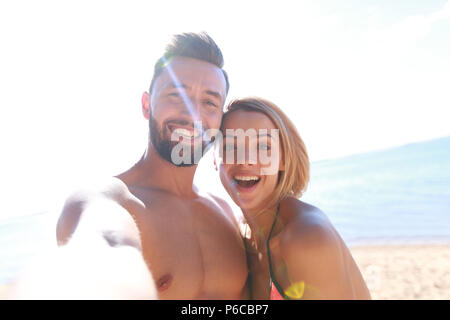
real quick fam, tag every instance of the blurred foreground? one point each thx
(397, 271)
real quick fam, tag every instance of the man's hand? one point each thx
(99, 255)
(91, 271)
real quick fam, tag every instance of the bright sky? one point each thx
(353, 75)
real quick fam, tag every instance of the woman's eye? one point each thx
(264, 146)
(229, 147)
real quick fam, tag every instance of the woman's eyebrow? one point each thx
(227, 136)
(259, 135)
(265, 134)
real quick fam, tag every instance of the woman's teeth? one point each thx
(246, 178)
(246, 181)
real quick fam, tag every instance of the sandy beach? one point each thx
(405, 271)
(398, 271)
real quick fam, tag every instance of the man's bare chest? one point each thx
(191, 247)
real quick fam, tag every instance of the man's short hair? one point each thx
(198, 46)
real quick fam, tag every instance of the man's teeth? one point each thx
(187, 133)
(246, 178)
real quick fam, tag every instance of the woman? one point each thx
(294, 252)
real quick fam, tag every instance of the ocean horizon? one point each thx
(399, 195)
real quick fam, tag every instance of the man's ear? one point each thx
(145, 100)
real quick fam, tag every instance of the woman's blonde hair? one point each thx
(294, 179)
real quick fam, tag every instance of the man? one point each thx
(190, 242)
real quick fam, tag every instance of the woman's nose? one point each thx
(248, 155)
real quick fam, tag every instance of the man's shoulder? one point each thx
(111, 188)
(224, 207)
(219, 201)
(109, 193)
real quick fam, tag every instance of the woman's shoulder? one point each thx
(315, 254)
(307, 227)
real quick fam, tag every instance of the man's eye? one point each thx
(211, 103)
(174, 94)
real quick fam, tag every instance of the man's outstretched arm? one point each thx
(99, 256)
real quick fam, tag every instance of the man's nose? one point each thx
(191, 108)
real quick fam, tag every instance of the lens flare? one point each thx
(187, 102)
(296, 290)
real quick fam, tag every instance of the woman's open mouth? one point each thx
(246, 183)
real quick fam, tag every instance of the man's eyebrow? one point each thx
(214, 94)
(174, 85)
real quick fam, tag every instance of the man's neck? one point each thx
(152, 171)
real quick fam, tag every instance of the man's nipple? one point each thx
(164, 282)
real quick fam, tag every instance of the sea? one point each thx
(394, 196)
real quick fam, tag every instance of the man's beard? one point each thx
(160, 139)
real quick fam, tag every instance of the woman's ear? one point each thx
(145, 100)
(281, 165)
(215, 162)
